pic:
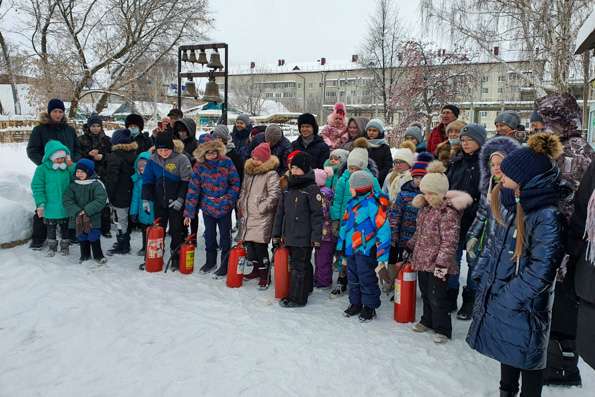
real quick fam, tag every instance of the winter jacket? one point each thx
(241, 140)
(89, 196)
(437, 136)
(48, 185)
(120, 168)
(258, 200)
(365, 227)
(281, 150)
(99, 142)
(136, 203)
(144, 142)
(436, 236)
(393, 183)
(215, 185)
(343, 194)
(328, 232)
(361, 125)
(298, 220)
(236, 159)
(403, 215)
(463, 175)
(190, 143)
(334, 137)
(379, 151)
(46, 131)
(166, 180)
(317, 149)
(513, 306)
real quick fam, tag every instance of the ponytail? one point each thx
(519, 220)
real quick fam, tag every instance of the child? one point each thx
(334, 132)
(364, 238)
(323, 255)
(402, 162)
(434, 246)
(415, 135)
(144, 217)
(118, 183)
(84, 201)
(298, 225)
(214, 189)
(50, 181)
(448, 150)
(257, 205)
(513, 309)
(378, 149)
(333, 165)
(165, 182)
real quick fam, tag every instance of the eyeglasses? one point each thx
(212, 152)
(335, 158)
(397, 162)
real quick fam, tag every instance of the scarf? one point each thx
(307, 141)
(531, 199)
(590, 230)
(374, 143)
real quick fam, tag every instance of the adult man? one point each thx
(310, 142)
(448, 114)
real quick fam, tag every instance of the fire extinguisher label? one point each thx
(241, 264)
(155, 249)
(409, 276)
(190, 260)
(397, 292)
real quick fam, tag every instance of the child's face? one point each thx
(352, 129)
(80, 175)
(59, 160)
(503, 129)
(338, 121)
(416, 181)
(335, 160)
(296, 171)
(433, 199)
(509, 183)
(453, 133)
(400, 166)
(352, 169)
(183, 134)
(306, 130)
(256, 162)
(495, 162)
(412, 139)
(537, 126)
(95, 129)
(141, 166)
(211, 155)
(469, 145)
(353, 192)
(373, 133)
(164, 153)
(240, 125)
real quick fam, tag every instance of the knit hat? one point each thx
(55, 103)
(409, 146)
(135, 119)
(358, 157)
(301, 160)
(376, 123)
(403, 155)
(535, 117)
(257, 129)
(415, 132)
(526, 163)
(456, 125)
(87, 166)
(121, 136)
(340, 108)
(204, 138)
(221, 132)
(320, 177)
(307, 118)
(435, 181)
(510, 118)
(245, 118)
(164, 140)
(476, 132)
(361, 182)
(453, 109)
(262, 152)
(273, 134)
(291, 155)
(341, 154)
(94, 119)
(58, 154)
(421, 164)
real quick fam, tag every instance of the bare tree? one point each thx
(381, 54)
(7, 62)
(248, 94)
(537, 31)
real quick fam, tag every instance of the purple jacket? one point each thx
(328, 234)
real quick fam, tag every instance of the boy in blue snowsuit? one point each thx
(144, 217)
(364, 238)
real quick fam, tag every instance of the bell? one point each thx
(191, 88)
(184, 56)
(202, 58)
(192, 56)
(215, 62)
(212, 91)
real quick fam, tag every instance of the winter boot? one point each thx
(175, 262)
(352, 310)
(288, 303)
(85, 251)
(221, 271)
(97, 252)
(64, 247)
(367, 314)
(340, 288)
(206, 268)
(440, 339)
(451, 295)
(562, 364)
(36, 245)
(420, 328)
(265, 275)
(298, 292)
(467, 308)
(143, 250)
(52, 247)
(122, 245)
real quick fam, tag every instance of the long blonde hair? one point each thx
(519, 219)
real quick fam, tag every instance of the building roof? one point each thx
(585, 39)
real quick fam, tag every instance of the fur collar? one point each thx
(44, 119)
(202, 149)
(269, 165)
(178, 146)
(502, 144)
(454, 198)
(125, 147)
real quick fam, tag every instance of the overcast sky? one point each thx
(298, 30)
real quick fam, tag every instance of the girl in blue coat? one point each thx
(141, 214)
(512, 313)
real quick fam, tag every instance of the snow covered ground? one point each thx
(86, 330)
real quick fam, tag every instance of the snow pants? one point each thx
(435, 303)
(323, 258)
(211, 246)
(301, 281)
(362, 281)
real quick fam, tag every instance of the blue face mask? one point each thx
(134, 131)
(455, 141)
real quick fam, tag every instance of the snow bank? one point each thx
(16, 202)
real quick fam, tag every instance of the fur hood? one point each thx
(454, 198)
(178, 146)
(502, 144)
(203, 148)
(270, 165)
(44, 119)
(125, 147)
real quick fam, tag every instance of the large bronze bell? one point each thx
(184, 56)
(212, 91)
(202, 58)
(215, 62)
(192, 56)
(191, 87)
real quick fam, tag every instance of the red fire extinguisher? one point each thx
(405, 290)
(235, 268)
(187, 255)
(155, 246)
(281, 262)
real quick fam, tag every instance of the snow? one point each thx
(23, 91)
(273, 107)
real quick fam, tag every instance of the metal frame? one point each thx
(223, 74)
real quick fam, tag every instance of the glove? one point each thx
(177, 204)
(440, 273)
(147, 206)
(276, 243)
(470, 247)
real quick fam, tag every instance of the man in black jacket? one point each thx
(135, 124)
(309, 141)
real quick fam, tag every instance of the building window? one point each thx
(268, 94)
(483, 114)
(500, 90)
(485, 79)
(501, 78)
(485, 90)
(331, 94)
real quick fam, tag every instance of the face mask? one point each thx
(455, 141)
(134, 132)
(61, 166)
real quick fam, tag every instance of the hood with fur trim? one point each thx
(270, 165)
(178, 146)
(502, 144)
(44, 119)
(203, 148)
(455, 198)
(125, 147)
